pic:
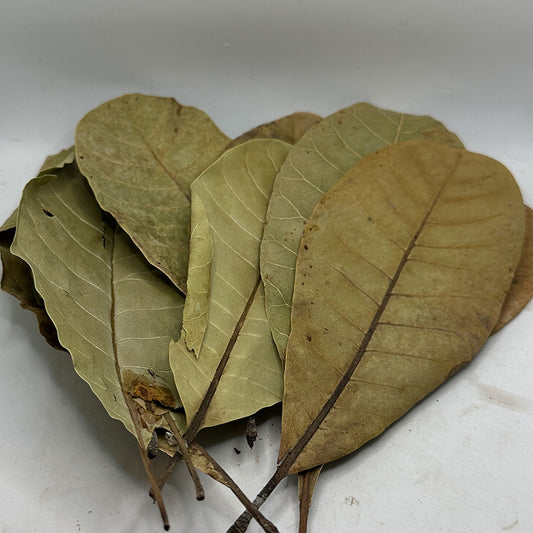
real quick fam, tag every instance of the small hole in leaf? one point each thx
(47, 213)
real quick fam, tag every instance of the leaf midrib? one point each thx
(199, 416)
(171, 176)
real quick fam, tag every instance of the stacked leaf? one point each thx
(88, 273)
(225, 364)
(422, 242)
(17, 278)
(386, 252)
(401, 274)
(140, 155)
(324, 153)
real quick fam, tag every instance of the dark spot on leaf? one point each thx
(141, 386)
(308, 337)
(370, 219)
(82, 157)
(306, 247)
(47, 213)
(114, 397)
(103, 241)
(142, 391)
(237, 451)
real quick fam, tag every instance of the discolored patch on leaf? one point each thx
(150, 388)
(403, 268)
(323, 154)
(140, 154)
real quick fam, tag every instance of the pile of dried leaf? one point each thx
(346, 266)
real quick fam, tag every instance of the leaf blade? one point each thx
(353, 379)
(75, 251)
(140, 154)
(237, 370)
(316, 162)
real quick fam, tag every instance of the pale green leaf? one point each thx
(237, 370)
(402, 272)
(199, 281)
(313, 165)
(57, 161)
(140, 154)
(114, 312)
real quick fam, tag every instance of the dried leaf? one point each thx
(521, 290)
(225, 363)
(314, 164)
(17, 280)
(114, 313)
(403, 268)
(57, 161)
(140, 154)
(288, 129)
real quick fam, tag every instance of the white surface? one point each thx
(459, 462)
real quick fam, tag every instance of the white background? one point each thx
(459, 462)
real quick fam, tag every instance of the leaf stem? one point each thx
(305, 500)
(225, 479)
(135, 417)
(182, 445)
(147, 465)
(293, 453)
(168, 470)
(241, 524)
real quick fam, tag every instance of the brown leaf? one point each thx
(521, 290)
(400, 278)
(288, 129)
(313, 166)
